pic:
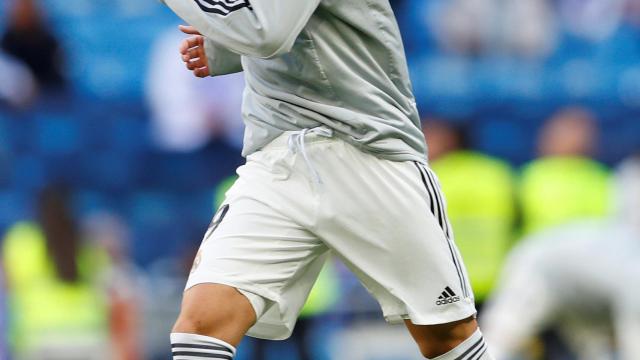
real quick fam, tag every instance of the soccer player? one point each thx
(581, 278)
(335, 161)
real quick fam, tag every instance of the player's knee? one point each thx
(188, 322)
(211, 311)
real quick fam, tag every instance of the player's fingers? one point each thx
(201, 72)
(184, 46)
(195, 64)
(195, 52)
(200, 62)
(187, 29)
(190, 65)
(191, 42)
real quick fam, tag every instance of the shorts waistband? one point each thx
(312, 135)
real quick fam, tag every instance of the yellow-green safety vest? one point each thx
(43, 309)
(555, 190)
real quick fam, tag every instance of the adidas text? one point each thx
(448, 301)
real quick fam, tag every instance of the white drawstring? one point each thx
(296, 144)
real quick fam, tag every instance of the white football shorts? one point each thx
(308, 193)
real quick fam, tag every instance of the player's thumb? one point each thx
(189, 30)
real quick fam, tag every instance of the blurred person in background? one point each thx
(72, 292)
(483, 210)
(17, 84)
(631, 13)
(594, 20)
(581, 278)
(187, 113)
(478, 27)
(107, 232)
(29, 39)
(58, 310)
(4, 328)
(564, 183)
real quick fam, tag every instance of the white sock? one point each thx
(194, 347)
(474, 348)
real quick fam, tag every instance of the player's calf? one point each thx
(212, 321)
(460, 340)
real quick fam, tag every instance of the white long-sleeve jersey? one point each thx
(309, 63)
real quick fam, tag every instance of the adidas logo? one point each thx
(447, 297)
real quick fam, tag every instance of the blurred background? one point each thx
(113, 159)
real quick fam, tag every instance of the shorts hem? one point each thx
(237, 284)
(261, 329)
(430, 319)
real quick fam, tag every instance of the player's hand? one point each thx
(192, 51)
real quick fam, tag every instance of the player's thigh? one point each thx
(390, 228)
(215, 310)
(260, 251)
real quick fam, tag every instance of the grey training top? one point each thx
(307, 63)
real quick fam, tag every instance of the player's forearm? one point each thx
(256, 28)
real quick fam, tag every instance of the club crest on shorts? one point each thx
(447, 297)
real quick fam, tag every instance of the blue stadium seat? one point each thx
(88, 200)
(157, 226)
(15, 206)
(109, 170)
(505, 138)
(129, 134)
(56, 134)
(619, 139)
(6, 169)
(28, 173)
(413, 19)
(5, 134)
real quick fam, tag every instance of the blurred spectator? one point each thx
(524, 27)
(632, 12)
(17, 85)
(59, 311)
(163, 287)
(28, 39)
(481, 211)
(4, 314)
(580, 278)
(627, 183)
(594, 20)
(109, 233)
(187, 111)
(564, 183)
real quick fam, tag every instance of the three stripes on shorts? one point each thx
(437, 205)
(223, 7)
